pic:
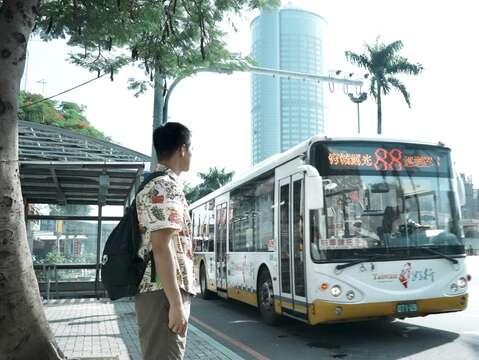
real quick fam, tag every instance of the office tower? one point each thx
(285, 112)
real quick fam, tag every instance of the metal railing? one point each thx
(52, 278)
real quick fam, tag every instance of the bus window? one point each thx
(211, 228)
(203, 229)
(400, 212)
(314, 227)
(251, 215)
(298, 233)
(263, 214)
(284, 238)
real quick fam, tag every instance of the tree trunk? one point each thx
(25, 333)
(380, 120)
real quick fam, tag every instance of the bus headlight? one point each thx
(454, 287)
(461, 282)
(350, 295)
(336, 290)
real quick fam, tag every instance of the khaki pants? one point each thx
(157, 341)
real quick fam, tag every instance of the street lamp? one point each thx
(358, 100)
(161, 98)
(178, 79)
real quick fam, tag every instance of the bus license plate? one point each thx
(406, 308)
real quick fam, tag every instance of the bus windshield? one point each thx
(370, 213)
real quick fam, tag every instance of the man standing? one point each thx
(163, 304)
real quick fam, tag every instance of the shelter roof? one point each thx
(58, 166)
(45, 142)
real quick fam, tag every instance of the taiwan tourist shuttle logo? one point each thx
(405, 274)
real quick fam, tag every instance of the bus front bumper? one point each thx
(327, 312)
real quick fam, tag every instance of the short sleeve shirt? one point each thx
(162, 205)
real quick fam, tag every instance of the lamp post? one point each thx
(177, 80)
(162, 96)
(358, 100)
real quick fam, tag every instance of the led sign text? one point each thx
(381, 159)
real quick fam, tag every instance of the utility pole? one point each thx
(26, 72)
(43, 82)
(158, 104)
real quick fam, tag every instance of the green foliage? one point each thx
(84, 259)
(383, 65)
(212, 180)
(67, 115)
(70, 210)
(53, 257)
(43, 112)
(172, 38)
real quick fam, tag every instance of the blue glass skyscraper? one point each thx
(285, 112)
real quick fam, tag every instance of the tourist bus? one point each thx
(336, 230)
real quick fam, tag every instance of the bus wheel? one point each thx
(266, 298)
(205, 293)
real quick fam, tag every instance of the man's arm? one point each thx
(166, 272)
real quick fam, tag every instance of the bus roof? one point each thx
(282, 158)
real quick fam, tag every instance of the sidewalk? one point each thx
(100, 328)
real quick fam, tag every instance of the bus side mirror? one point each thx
(313, 187)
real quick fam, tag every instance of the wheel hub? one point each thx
(266, 298)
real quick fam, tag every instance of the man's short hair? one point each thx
(168, 138)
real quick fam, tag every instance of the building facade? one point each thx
(285, 112)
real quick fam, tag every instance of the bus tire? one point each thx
(205, 293)
(265, 296)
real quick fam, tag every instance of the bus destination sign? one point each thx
(387, 157)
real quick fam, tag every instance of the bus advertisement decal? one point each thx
(406, 276)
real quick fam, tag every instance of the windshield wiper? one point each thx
(368, 259)
(435, 252)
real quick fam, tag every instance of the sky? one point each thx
(441, 35)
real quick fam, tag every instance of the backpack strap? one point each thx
(149, 178)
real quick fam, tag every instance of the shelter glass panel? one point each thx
(63, 241)
(67, 210)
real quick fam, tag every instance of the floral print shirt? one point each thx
(161, 205)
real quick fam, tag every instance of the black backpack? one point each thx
(121, 268)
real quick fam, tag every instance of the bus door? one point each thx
(220, 241)
(291, 245)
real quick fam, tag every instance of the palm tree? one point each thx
(212, 180)
(383, 63)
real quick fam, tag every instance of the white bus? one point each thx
(337, 230)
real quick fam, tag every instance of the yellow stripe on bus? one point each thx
(286, 304)
(277, 306)
(328, 312)
(211, 286)
(247, 297)
(300, 308)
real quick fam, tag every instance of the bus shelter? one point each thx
(75, 190)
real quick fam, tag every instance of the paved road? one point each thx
(447, 336)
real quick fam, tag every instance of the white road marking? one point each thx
(243, 321)
(476, 333)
